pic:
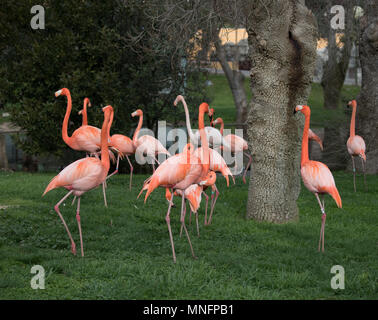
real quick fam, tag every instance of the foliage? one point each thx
(132, 259)
(90, 48)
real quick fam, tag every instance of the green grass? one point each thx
(223, 102)
(237, 258)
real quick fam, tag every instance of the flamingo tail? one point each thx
(336, 196)
(52, 185)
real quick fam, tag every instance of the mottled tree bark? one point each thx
(282, 36)
(367, 101)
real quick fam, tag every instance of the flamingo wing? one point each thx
(81, 175)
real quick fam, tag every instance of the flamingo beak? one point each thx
(134, 114)
(202, 183)
(58, 93)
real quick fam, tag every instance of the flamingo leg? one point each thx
(184, 215)
(197, 223)
(131, 170)
(116, 170)
(183, 223)
(103, 190)
(73, 201)
(248, 165)
(364, 169)
(168, 220)
(79, 225)
(56, 208)
(322, 229)
(207, 203)
(213, 203)
(354, 174)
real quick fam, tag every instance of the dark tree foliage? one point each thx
(95, 49)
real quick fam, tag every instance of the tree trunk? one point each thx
(367, 101)
(236, 82)
(3, 153)
(282, 36)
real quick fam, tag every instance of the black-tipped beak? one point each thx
(295, 111)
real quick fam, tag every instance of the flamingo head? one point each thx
(204, 107)
(178, 98)
(302, 108)
(352, 103)
(88, 102)
(138, 112)
(209, 180)
(107, 110)
(62, 91)
(218, 121)
(80, 112)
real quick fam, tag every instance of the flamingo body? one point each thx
(356, 146)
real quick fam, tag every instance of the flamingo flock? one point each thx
(187, 174)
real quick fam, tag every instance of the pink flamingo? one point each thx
(214, 137)
(313, 136)
(236, 143)
(82, 176)
(86, 138)
(316, 175)
(125, 147)
(355, 144)
(178, 173)
(147, 144)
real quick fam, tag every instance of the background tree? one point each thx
(282, 42)
(367, 101)
(90, 48)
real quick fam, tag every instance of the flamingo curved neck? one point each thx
(204, 142)
(110, 123)
(304, 154)
(221, 127)
(136, 133)
(65, 136)
(85, 117)
(352, 131)
(104, 142)
(188, 126)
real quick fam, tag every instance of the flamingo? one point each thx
(313, 136)
(178, 173)
(356, 144)
(125, 147)
(214, 137)
(86, 138)
(316, 175)
(83, 111)
(236, 143)
(81, 176)
(147, 144)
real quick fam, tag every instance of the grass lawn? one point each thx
(132, 259)
(224, 104)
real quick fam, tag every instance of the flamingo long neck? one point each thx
(84, 114)
(110, 123)
(304, 155)
(204, 142)
(136, 133)
(188, 126)
(352, 132)
(104, 143)
(65, 136)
